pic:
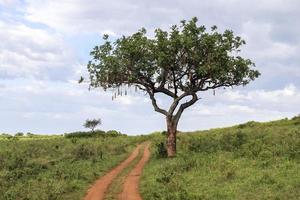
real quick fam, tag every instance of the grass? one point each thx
(57, 167)
(248, 161)
(116, 187)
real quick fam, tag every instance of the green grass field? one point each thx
(57, 168)
(248, 161)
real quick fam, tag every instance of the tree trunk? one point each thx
(171, 137)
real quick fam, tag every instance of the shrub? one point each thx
(164, 132)
(84, 151)
(161, 150)
(296, 117)
(204, 144)
(248, 124)
(231, 142)
(19, 134)
(5, 135)
(82, 134)
(30, 134)
(296, 120)
(113, 133)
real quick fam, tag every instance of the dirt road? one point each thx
(97, 191)
(131, 185)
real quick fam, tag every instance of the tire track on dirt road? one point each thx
(98, 189)
(131, 184)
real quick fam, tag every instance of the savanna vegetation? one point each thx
(249, 161)
(58, 167)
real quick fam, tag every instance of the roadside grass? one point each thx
(57, 168)
(117, 185)
(249, 161)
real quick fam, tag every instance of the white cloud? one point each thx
(269, 27)
(8, 2)
(260, 43)
(289, 95)
(81, 16)
(126, 100)
(32, 52)
(129, 15)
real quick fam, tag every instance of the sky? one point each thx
(45, 45)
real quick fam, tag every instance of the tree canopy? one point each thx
(179, 63)
(182, 62)
(92, 123)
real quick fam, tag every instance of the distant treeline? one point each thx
(78, 134)
(96, 133)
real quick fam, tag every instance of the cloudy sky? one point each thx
(44, 47)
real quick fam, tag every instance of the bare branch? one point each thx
(176, 102)
(154, 103)
(165, 91)
(185, 105)
(216, 85)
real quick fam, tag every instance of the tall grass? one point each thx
(57, 167)
(248, 161)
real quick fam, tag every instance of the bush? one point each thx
(19, 134)
(113, 133)
(96, 133)
(296, 120)
(248, 124)
(84, 151)
(161, 150)
(164, 133)
(231, 142)
(30, 134)
(83, 134)
(204, 144)
(296, 117)
(5, 135)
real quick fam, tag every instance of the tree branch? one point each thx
(216, 85)
(165, 91)
(154, 103)
(185, 105)
(176, 102)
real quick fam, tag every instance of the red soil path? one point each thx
(131, 184)
(97, 191)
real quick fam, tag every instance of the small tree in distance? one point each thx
(92, 123)
(180, 64)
